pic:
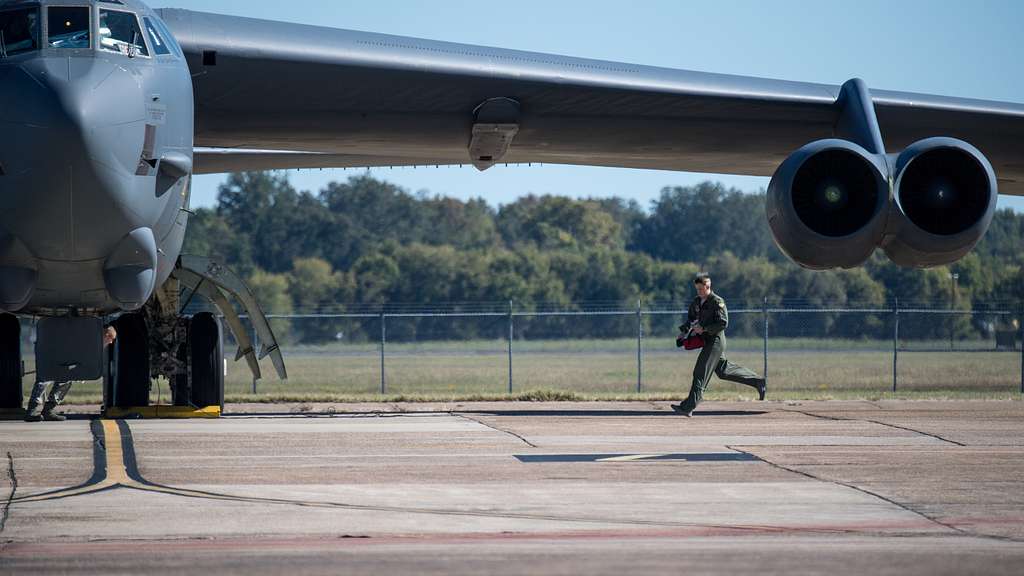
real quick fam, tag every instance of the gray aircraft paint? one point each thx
(76, 185)
(364, 99)
(275, 95)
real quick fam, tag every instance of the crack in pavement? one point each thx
(936, 436)
(10, 497)
(503, 431)
(906, 507)
(896, 426)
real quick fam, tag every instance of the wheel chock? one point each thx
(161, 411)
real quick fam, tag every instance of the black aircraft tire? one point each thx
(10, 362)
(129, 380)
(204, 340)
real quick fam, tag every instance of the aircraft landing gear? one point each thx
(10, 362)
(199, 379)
(202, 383)
(187, 350)
(127, 381)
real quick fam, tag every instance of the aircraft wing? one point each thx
(280, 95)
(224, 160)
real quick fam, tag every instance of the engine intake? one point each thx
(946, 195)
(826, 204)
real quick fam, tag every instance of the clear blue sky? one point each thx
(956, 48)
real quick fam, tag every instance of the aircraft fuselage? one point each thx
(96, 153)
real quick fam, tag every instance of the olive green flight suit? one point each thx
(713, 317)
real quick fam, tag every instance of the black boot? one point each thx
(680, 409)
(49, 415)
(35, 400)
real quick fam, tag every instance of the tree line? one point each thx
(366, 242)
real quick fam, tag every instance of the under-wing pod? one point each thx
(945, 197)
(827, 204)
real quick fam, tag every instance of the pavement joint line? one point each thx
(959, 531)
(503, 431)
(896, 426)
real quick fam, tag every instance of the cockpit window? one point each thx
(68, 27)
(159, 46)
(119, 32)
(168, 37)
(19, 31)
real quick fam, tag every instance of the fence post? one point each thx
(511, 335)
(764, 321)
(895, 341)
(383, 340)
(256, 350)
(639, 346)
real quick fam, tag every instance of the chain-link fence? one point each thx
(616, 349)
(598, 348)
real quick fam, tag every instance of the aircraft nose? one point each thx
(69, 140)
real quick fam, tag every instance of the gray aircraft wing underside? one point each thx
(223, 160)
(267, 91)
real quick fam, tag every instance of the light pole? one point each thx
(953, 276)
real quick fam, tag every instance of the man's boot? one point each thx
(35, 401)
(49, 415)
(762, 388)
(57, 393)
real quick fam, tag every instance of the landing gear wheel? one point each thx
(127, 383)
(206, 361)
(10, 362)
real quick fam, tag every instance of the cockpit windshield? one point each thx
(68, 27)
(29, 29)
(19, 31)
(120, 32)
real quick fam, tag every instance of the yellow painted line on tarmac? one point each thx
(115, 474)
(116, 471)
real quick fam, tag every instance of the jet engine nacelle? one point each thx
(945, 197)
(827, 204)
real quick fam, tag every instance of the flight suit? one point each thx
(713, 317)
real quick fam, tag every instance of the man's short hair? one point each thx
(702, 278)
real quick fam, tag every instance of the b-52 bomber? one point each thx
(107, 109)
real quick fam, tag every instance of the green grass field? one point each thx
(607, 369)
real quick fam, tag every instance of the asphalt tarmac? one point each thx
(522, 488)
